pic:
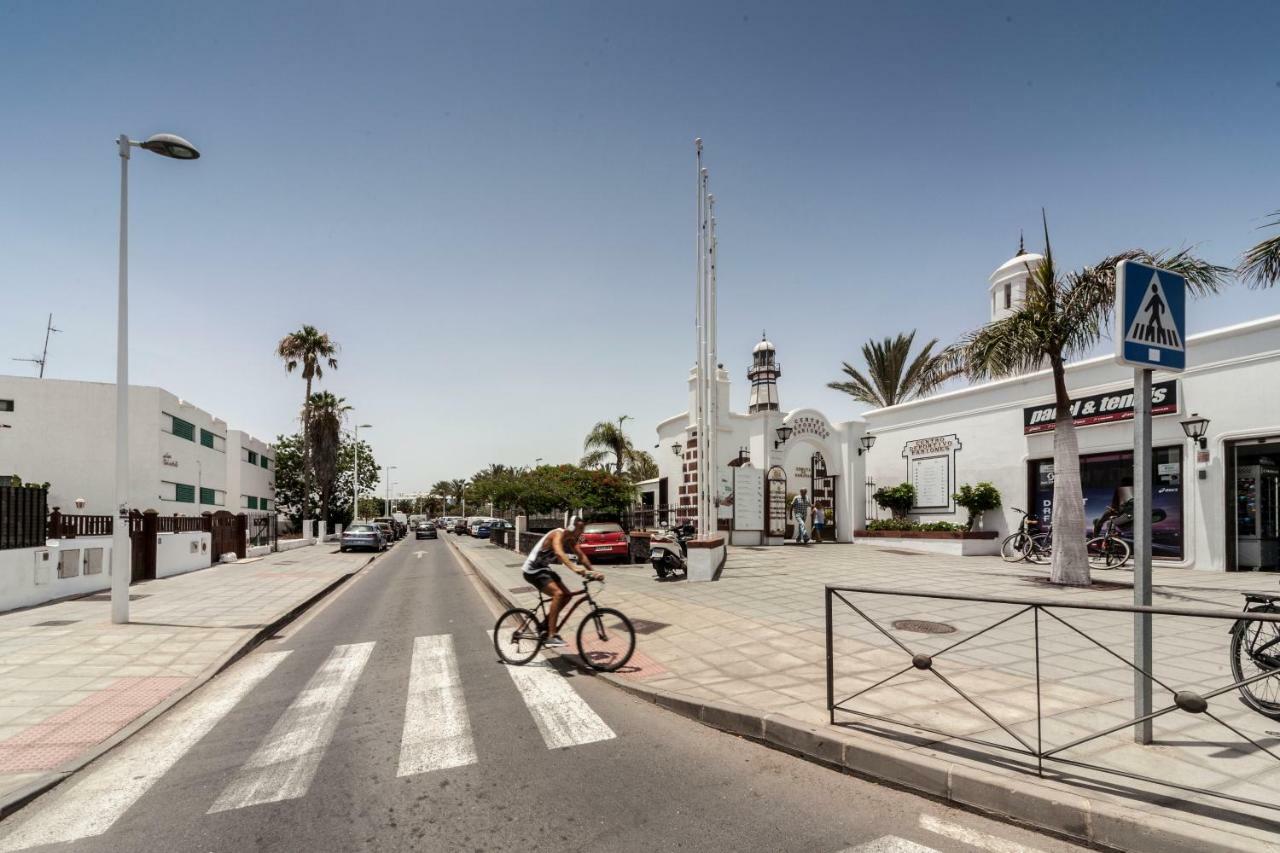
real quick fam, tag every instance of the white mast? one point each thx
(713, 375)
(698, 349)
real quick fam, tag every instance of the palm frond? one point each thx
(1260, 266)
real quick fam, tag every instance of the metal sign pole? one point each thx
(1142, 658)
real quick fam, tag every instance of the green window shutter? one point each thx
(207, 496)
(182, 429)
(264, 462)
(206, 438)
(253, 458)
(184, 493)
(253, 502)
(264, 504)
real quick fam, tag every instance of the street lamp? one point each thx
(1196, 427)
(784, 433)
(677, 449)
(355, 486)
(868, 441)
(389, 469)
(177, 148)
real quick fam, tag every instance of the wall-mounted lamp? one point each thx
(784, 432)
(677, 449)
(868, 442)
(1196, 427)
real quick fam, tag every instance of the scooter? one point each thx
(669, 550)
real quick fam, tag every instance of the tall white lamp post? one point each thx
(389, 469)
(166, 145)
(355, 488)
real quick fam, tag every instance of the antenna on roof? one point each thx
(44, 356)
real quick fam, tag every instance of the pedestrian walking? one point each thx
(819, 522)
(800, 514)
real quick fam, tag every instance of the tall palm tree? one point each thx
(1064, 316)
(310, 349)
(641, 466)
(325, 414)
(457, 489)
(1260, 266)
(892, 376)
(607, 439)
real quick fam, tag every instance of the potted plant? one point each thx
(897, 499)
(977, 500)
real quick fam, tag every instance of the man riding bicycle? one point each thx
(537, 570)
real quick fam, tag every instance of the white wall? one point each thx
(29, 576)
(177, 553)
(245, 479)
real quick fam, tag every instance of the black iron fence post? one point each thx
(831, 664)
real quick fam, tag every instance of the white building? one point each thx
(182, 460)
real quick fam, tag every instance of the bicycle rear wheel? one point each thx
(1249, 658)
(516, 637)
(606, 639)
(1040, 549)
(1014, 548)
(1107, 552)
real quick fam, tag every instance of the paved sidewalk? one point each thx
(71, 681)
(755, 640)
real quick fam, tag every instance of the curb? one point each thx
(19, 797)
(1021, 800)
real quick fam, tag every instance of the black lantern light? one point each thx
(868, 441)
(784, 432)
(1195, 427)
(677, 449)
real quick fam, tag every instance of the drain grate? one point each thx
(106, 596)
(514, 565)
(521, 589)
(902, 553)
(645, 626)
(924, 626)
(285, 562)
(55, 623)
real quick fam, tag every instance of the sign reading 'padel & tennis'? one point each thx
(1102, 408)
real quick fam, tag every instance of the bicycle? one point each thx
(1021, 544)
(1107, 551)
(605, 637)
(1255, 648)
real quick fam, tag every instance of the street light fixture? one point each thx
(389, 469)
(355, 487)
(868, 441)
(677, 449)
(784, 433)
(1196, 427)
(177, 148)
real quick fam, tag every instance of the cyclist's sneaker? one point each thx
(555, 640)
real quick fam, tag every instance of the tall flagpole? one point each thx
(704, 429)
(713, 362)
(698, 413)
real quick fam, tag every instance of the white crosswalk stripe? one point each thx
(285, 763)
(562, 716)
(91, 804)
(437, 732)
(889, 844)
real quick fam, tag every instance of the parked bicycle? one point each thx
(1027, 542)
(1255, 649)
(1107, 551)
(606, 638)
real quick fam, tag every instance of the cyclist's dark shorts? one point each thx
(543, 577)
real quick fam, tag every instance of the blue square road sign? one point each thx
(1151, 317)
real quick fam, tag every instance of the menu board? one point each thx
(748, 495)
(777, 501)
(931, 477)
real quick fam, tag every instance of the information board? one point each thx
(748, 496)
(724, 495)
(931, 477)
(777, 501)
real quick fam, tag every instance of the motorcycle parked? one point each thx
(669, 550)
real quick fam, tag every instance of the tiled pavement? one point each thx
(756, 638)
(70, 679)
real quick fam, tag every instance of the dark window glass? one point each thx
(184, 493)
(182, 429)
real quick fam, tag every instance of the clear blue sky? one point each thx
(489, 205)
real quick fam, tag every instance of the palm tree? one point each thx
(457, 489)
(640, 466)
(325, 414)
(1261, 264)
(607, 439)
(892, 375)
(1064, 316)
(310, 349)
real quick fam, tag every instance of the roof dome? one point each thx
(763, 346)
(1018, 263)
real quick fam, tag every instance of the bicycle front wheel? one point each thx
(1107, 552)
(1014, 548)
(1252, 653)
(516, 637)
(1040, 550)
(606, 639)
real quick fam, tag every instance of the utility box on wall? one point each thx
(43, 566)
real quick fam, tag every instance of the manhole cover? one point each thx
(902, 553)
(923, 626)
(106, 596)
(1101, 586)
(285, 562)
(644, 626)
(56, 623)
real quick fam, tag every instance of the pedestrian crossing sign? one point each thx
(1151, 317)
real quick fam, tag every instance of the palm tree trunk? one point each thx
(306, 451)
(1070, 561)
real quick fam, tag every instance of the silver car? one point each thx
(362, 537)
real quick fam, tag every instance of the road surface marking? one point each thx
(562, 716)
(437, 733)
(972, 837)
(889, 844)
(90, 805)
(286, 761)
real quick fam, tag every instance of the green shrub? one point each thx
(977, 499)
(903, 524)
(897, 499)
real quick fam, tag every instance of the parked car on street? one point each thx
(460, 526)
(605, 539)
(483, 527)
(426, 531)
(366, 537)
(396, 530)
(387, 530)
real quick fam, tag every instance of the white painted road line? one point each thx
(91, 804)
(889, 844)
(562, 716)
(437, 733)
(972, 837)
(285, 763)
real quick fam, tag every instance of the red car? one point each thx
(605, 539)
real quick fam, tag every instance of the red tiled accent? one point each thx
(90, 721)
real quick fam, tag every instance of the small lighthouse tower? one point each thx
(1008, 284)
(764, 373)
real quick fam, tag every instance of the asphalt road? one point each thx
(382, 720)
